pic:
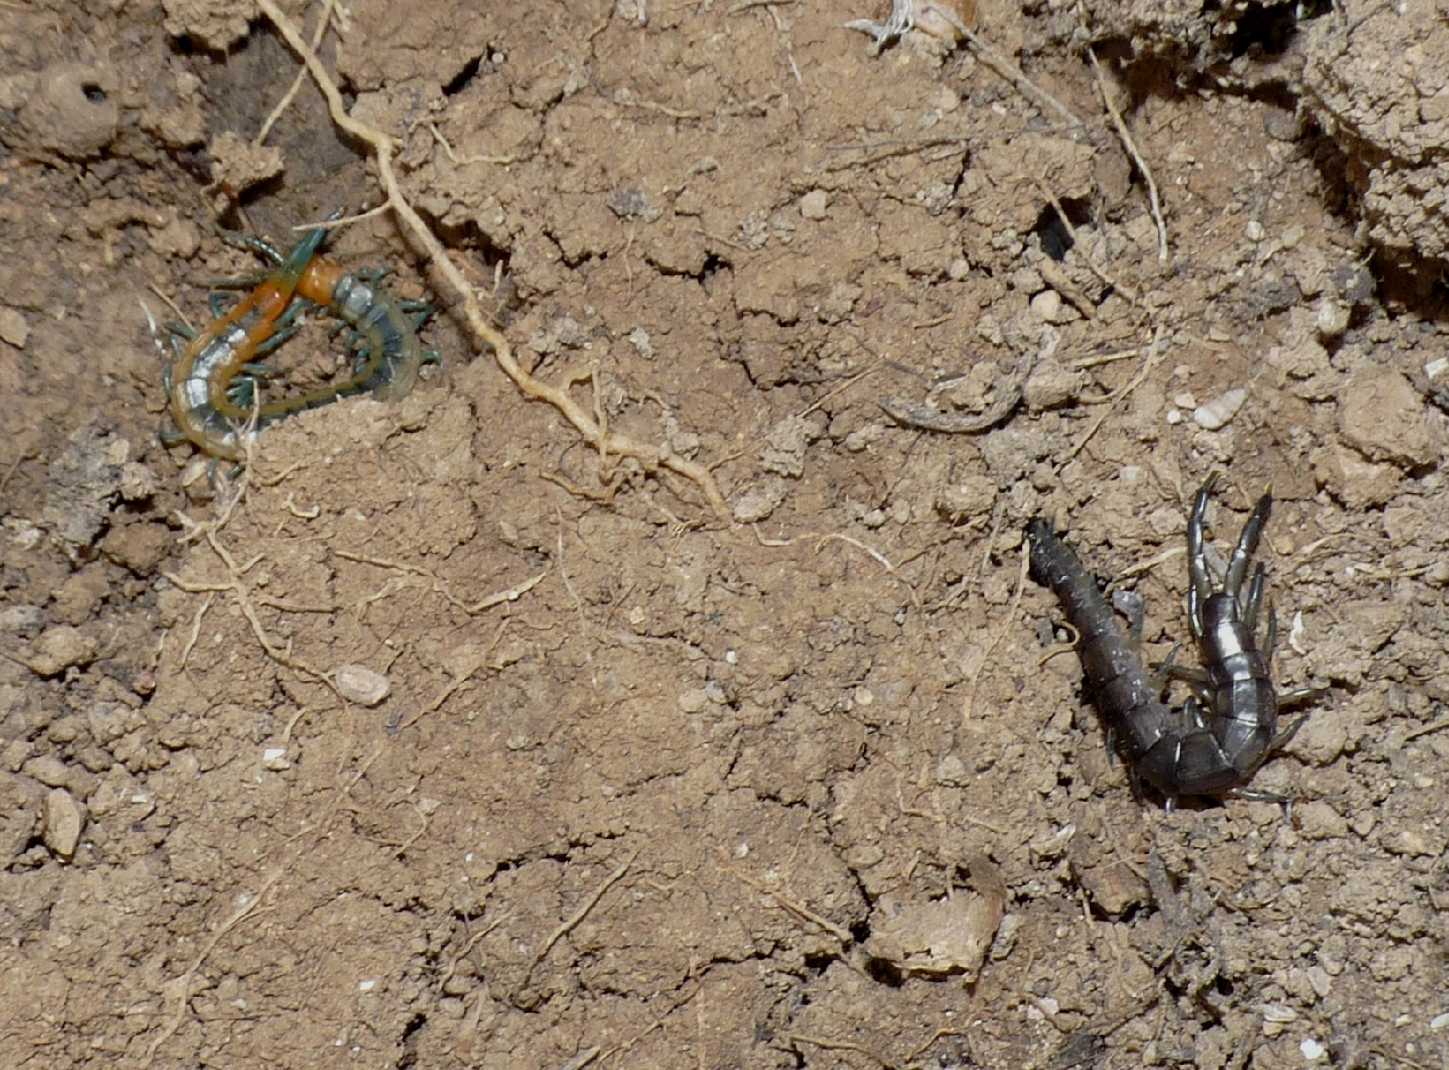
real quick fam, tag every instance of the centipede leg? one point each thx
(1200, 587)
(273, 343)
(217, 302)
(242, 392)
(1197, 679)
(1247, 546)
(1299, 694)
(251, 242)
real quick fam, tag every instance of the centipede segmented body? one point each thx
(211, 383)
(1217, 741)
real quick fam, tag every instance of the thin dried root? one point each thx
(383, 147)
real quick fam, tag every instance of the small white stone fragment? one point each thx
(1219, 412)
(361, 685)
(1330, 318)
(1312, 1050)
(1254, 230)
(62, 822)
(1296, 633)
(1439, 1022)
(814, 204)
(275, 759)
(1047, 306)
(367, 986)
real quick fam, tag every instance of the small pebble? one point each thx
(1219, 412)
(1047, 306)
(13, 328)
(275, 759)
(1330, 318)
(1312, 1050)
(62, 823)
(814, 204)
(361, 685)
(1279, 1013)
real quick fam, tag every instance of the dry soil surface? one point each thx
(440, 737)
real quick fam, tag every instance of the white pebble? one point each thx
(1312, 1050)
(814, 204)
(1220, 411)
(1438, 1022)
(361, 685)
(275, 759)
(1047, 306)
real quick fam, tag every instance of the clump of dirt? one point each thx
(441, 734)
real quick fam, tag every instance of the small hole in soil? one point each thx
(94, 93)
(460, 81)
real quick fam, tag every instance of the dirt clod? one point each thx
(62, 822)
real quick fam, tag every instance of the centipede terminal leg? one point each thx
(1247, 545)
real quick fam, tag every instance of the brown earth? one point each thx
(799, 787)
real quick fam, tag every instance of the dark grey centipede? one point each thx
(1218, 740)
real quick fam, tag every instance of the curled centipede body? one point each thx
(1177, 751)
(213, 382)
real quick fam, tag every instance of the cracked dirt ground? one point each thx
(811, 787)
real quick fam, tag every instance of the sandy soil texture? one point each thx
(704, 716)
